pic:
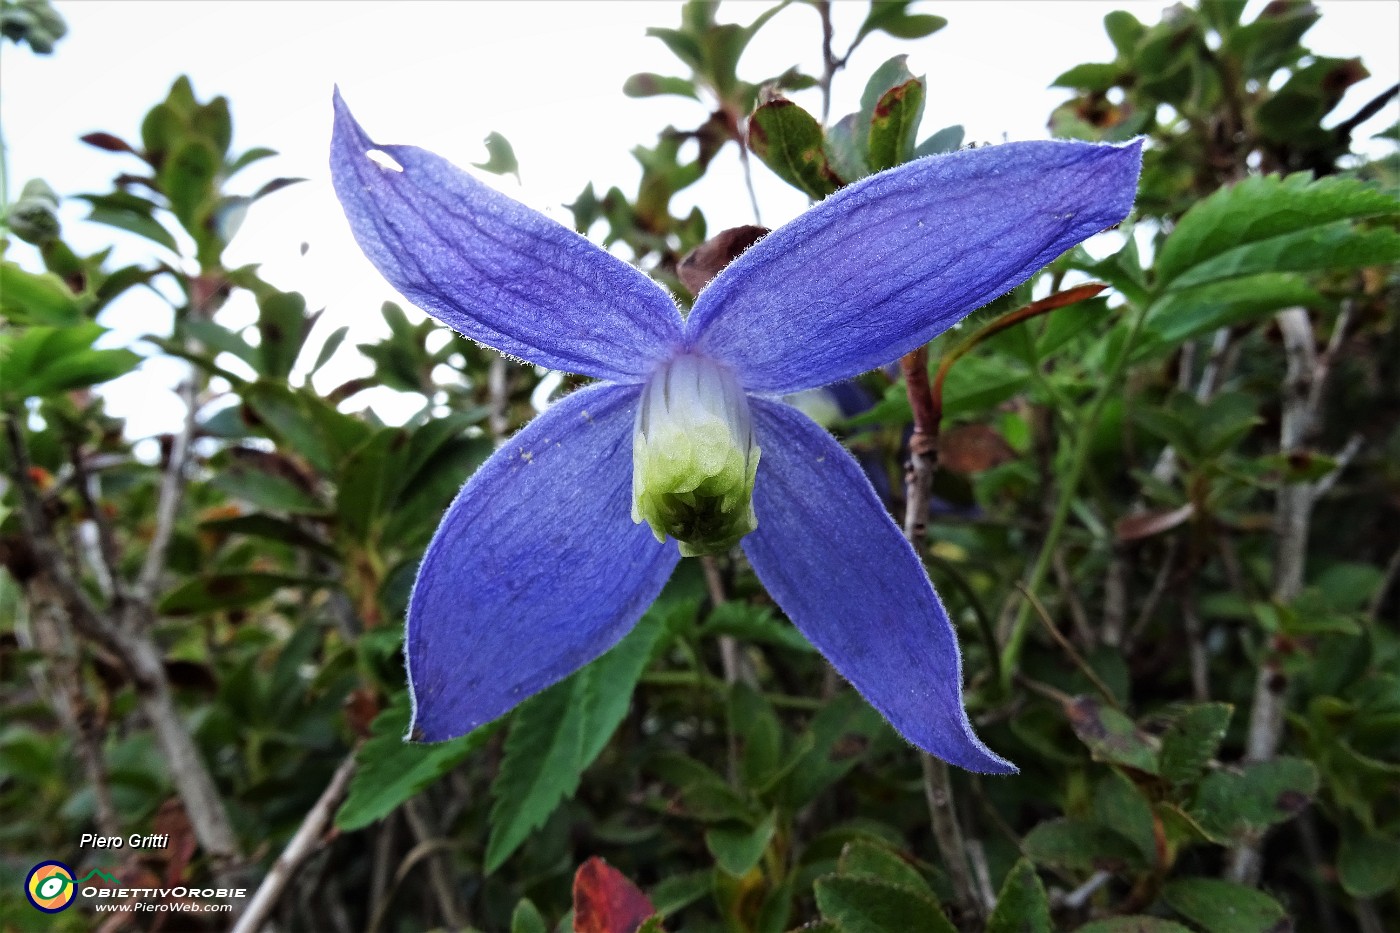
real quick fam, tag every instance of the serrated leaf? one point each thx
(556, 734)
(390, 770)
(863, 905)
(789, 141)
(1338, 246)
(1193, 740)
(755, 624)
(540, 766)
(737, 849)
(1022, 906)
(1261, 208)
(1181, 315)
(612, 680)
(1224, 907)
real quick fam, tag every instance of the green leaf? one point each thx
(1337, 246)
(1022, 905)
(864, 905)
(259, 525)
(130, 213)
(265, 490)
(789, 141)
(1264, 793)
(844, 146)
(947, 139)
(540, 766)
(390, 770)
(214, 591)
(1223, 907)
(737, 849)
(865, 857)
(1076, 845)
(1181, 315)
(248, 158)
(187, 178)
(1140, 924)
(1110, 735)
(894, 124)
(1089, 77)
(1123, 30)
(611, 681)
(1368, 865)
(368, 480)
(47, 360)
(890, 16)
(1261, 208)
(889, 77)
(500, 157)
(36, 298)
(1193, 740)
(647, 84)
(526, 918)
(282, 328)
(556, 734)
(751, 623)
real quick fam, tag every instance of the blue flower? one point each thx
(557, 545)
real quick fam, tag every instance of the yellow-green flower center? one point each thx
(693, 457)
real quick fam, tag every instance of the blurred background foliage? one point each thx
(1166, 521)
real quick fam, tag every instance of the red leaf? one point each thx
(606, 902)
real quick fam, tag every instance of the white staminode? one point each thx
(693, 457)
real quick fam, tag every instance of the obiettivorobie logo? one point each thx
(51, 887)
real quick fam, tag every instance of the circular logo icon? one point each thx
(50, 887)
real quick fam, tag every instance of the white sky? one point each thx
(547, 75)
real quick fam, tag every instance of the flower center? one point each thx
(693, 457)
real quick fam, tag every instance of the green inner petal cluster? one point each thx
(693, 457)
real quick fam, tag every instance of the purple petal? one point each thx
(537, 568)
(889, 263)
(830, 555)
(495, 270)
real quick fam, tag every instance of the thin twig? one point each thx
(918, 484)
(304, 842)
(172, 487)
(1196, 649)
(439, 878)
(1064, 643)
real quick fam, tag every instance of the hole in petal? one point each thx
(382, 159)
